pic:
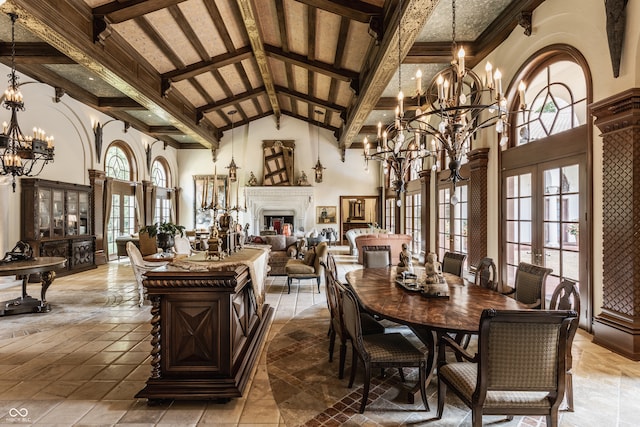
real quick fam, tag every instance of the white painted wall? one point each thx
(339, 179)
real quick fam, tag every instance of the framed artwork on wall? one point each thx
(326, 214)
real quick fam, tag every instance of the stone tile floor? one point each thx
(82, 363)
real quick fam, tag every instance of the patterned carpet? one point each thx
(308, 392)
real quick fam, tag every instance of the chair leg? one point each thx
(354, 366)
(476, 418)
(318, 279)
(423, 388)
(569, 391)
(141, 294)
(288, 285)
(401, 372)
(332, 343)
(343, 356)
(365, 390)
(442, 391)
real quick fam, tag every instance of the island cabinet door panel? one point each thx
(196, 335)
(244, 321)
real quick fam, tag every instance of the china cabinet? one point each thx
(56, 221)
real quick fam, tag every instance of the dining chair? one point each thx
(379, 350)
(519, 368)
(529, 287)
(567, 297)
(337, 328)
(453, 262)
(486, 274)
(378, 256)
(140, 266)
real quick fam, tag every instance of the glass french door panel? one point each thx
(525, 208)
(512, 209)
(525, 232)
(561, 224)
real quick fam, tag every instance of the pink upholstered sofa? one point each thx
(395, 241)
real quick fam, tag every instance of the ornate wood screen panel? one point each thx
(278, 162)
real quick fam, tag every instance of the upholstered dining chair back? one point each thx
(519, 368)
(148, 245)
(182, 245)
(530, 284)
(378, 256)
(486, 274)
(567, 297)
(140, 266)
(453, 262)
(379, 350)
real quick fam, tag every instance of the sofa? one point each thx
(283, 248)
(395, 241)
(355, 232)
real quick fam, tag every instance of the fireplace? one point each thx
(266, 202)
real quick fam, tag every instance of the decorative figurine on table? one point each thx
(405, 257)
(214, 251)
(432, 269)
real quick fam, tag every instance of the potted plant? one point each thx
(163, 232)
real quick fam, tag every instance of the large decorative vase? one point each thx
(165, 241)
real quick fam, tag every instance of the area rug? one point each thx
(308, 392)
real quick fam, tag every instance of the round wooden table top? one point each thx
(379, 293)
(34, 265)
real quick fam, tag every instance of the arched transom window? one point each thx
(556, 101)
(118, 163)
(159, 174)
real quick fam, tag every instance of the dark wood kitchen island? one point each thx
(208, 325)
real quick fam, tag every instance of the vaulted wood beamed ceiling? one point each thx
(174, 68)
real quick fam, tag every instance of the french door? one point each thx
(545, 214)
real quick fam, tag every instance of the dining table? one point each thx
(456, 310)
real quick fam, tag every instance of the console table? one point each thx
(47, 267)
(208, 324)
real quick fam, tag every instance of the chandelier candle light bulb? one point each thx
(461, 69)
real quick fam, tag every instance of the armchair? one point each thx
(140, 266)
(519, 368)
(311, 267)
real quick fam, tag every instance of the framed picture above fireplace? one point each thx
(326, 214)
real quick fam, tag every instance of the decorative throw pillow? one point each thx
(309, 257)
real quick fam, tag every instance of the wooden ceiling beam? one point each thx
(214, 63)
(35, 53)
(251, 26)
(310, 99)
(164, 130)
(317, 66)
(430, 52)
(223, 103)
(390, 103)
(118, 11)
(239, 123)
(354, 10)
(122, 103)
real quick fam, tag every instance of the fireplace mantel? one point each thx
(290, 200)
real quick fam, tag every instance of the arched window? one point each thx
(556, 100)
(159, 175)
(118, 162)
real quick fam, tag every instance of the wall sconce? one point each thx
(147, 151)
(97, 134)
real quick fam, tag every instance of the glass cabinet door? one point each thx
(83, 211)
(58, 214)
(44, 213)
(72, 213)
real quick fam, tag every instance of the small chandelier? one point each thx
(450, 112)
(20, 155)
(233, 168)
(318, 167)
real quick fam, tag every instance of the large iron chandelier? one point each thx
(454, 107)
(20, 155)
